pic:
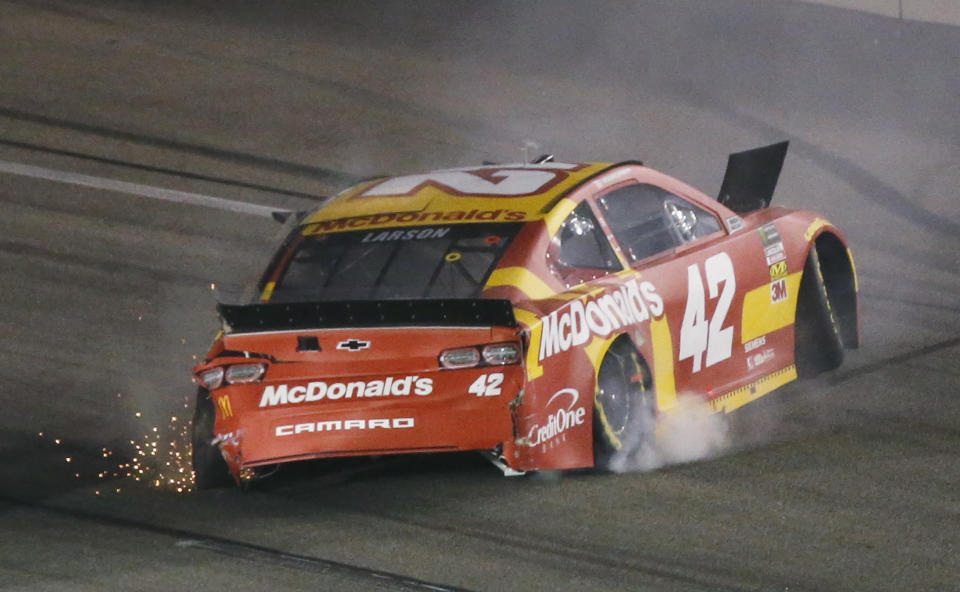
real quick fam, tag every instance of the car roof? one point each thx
(504, 192)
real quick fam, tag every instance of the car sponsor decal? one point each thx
(560, 420)
(697, 333)
(774, 254)
(776, 258)
(759, 358)
(282, 394)
(735, 223)
(769, 235)
(773, 249)
(760, 316)
(223, 403)
(632, 303)
(353, 345)
(754, 343)
(405, 235)
(778, 291)
(409, 218)
(338, 425)
(778, 271)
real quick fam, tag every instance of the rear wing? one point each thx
(476, 312)
(751, 178)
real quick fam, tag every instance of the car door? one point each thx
(699, 270)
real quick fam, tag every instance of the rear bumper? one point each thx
(341, 454)
(263, 428)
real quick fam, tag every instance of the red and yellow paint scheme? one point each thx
(585, 260)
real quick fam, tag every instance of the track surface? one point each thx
(845, 483)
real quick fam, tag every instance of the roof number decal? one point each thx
(489, 182)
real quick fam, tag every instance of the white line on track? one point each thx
(148, 191)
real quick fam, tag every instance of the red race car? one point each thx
(536, 312)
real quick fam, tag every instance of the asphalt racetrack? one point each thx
(123, 125)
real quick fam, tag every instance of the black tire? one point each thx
(623, 406)
(819, 345)
(209, 469)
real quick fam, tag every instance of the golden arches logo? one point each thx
(226, 410)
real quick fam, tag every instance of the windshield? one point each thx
(393, 263)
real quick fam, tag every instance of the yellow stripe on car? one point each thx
(532, 322)
(522, 279)
(663, 379)
(816, 225)
(753, 391)
(267, 291)
(761, 315)
(557, 215)
(853, 267)
(596, 350)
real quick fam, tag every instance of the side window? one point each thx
(580, 251)
(648, 220)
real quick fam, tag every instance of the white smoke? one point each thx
(688, 432)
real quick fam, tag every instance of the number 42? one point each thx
(486, 385)
(696, 334)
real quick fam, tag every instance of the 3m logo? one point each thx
(226, 410)
(778, 291)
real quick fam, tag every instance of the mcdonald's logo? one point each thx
(224, 404)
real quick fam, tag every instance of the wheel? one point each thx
(209, 468)
(623, 407)
(819, 346)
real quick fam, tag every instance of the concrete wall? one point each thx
(932, 11)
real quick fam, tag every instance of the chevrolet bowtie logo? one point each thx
(353, 345)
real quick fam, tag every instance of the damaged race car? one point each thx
(546, 314)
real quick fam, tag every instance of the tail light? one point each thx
(214, 378)
(244, 373)
(464, 357)
(501, 354)
(495, 354)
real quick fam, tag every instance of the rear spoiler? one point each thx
(751, 178)
(479, 312)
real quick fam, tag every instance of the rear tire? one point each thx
(624, 407)
(819, 346)
(209, 469)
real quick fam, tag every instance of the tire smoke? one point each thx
(688, 432)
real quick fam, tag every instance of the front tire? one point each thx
(209, 469)
(819, 346)
(624, 407)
